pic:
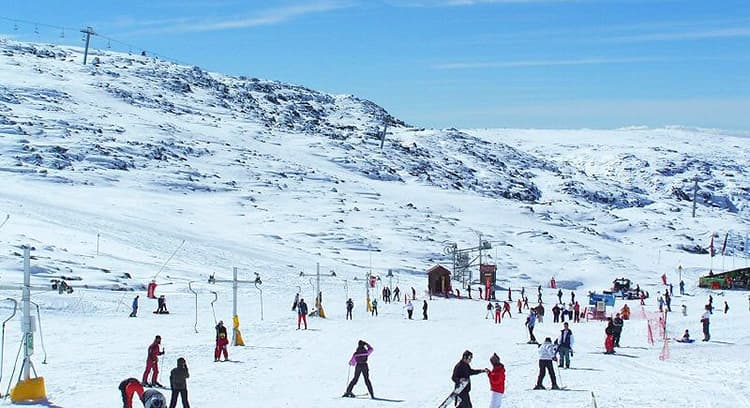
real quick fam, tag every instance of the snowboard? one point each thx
(454, 395)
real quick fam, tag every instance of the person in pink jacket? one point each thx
(359, 361)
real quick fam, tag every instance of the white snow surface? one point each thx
(105, 169)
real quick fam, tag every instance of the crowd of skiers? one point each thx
(561, 350)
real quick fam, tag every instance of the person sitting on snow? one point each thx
(162, 305)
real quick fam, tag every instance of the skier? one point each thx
(296, 302)
(559, 296)
(668, 300)
(726, 307)
(526, 302)
(128, 387)
(497, 381)
(489, 310)
(530, 323)
(546, 356)
(409, 309)
(161, 305)
(359, 361)
(153, 399)
(349, 308)
(682, 287)
(498, 312)
(664, 278)
(461, 372)
(540, 313)
(397, 294)
(577, 313)
(556, 314)
(221, 342)
(565, 346)
(572, 297)
(618, 323)
(509, 297)
(424, 310)
(301, 314)
(671, 290)
(710, 304)
(134, 312)
(506, 309)
(178, 382)
(684, 310)
(519, 304)
(661, 303)
(563, 313)
(152, 363)
(374, 311)
(609, 342)
(705, 320)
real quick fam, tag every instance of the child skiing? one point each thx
(301, 314)
(359, 361)
(609, 342)
(221, 342)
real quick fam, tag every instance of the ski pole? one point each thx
(348, 373)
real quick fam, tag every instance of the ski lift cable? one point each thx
(37, 24)
(41, 334)
(2, 336)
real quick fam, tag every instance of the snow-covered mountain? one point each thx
(107, 168)
(140, 125)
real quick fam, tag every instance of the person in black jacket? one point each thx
(178, 382)
(461, 372)
(359, 361)
(349, 308)
(424, 310)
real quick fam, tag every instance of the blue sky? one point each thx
(452, 63)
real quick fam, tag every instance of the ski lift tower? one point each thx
(318, 294)
(236, 335)
(28, 389)
(461, 263)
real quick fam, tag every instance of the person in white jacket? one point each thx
(547, 353)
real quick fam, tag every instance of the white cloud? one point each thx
(263, 18)
(545, 63)
(686, 35)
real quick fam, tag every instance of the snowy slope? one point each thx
(107, 168)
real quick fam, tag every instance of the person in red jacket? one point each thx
(128, 387)
(152, 362)
(497, 381)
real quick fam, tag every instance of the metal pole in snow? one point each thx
(28, 335)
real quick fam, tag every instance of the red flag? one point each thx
(724, 247)
(711, 247)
